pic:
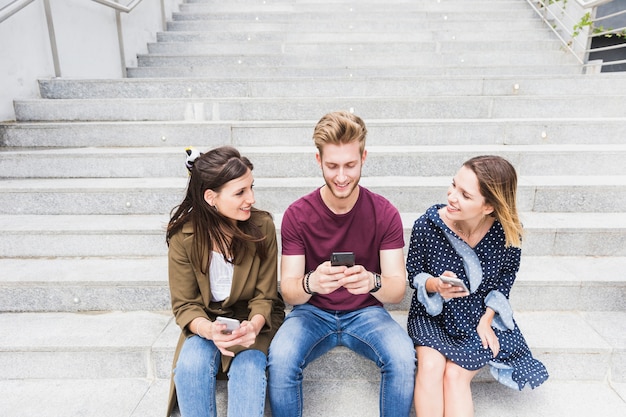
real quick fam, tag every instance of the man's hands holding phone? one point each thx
(340, 271)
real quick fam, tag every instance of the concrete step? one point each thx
(400, 46)
(303, 12)
(347, 5)
(68, 352)
(443, 132)
(23, 236)
(354, 59)
(559, 339)
(298, 161)
(349, 8)
(436, 35)
(348, 25)
(335, 71)
(70, 284)
(519, 86)
(154, 194)
(141, 397)
(201, 109)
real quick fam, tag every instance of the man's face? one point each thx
(341, 167)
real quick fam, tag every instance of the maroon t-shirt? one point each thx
(311, 229)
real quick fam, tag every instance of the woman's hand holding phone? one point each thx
(449, 286)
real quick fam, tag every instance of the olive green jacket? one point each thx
(254, 291)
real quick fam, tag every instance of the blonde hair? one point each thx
(498, 185)
(337, 128)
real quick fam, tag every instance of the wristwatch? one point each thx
(377, 282)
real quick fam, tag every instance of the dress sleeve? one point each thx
(416, 265)
(498, 300)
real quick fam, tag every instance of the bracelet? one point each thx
(198, 327)
(305, 283)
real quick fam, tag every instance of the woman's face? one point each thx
(235, 199)
(465, 202)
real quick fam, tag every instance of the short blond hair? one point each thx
(340, 127)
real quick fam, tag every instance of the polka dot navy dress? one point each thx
(449, 326)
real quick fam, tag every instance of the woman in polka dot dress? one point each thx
(475, 238)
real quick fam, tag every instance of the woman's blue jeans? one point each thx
(308, 332)
(195, 380)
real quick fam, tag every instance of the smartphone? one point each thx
(231, 324)
(454, 281)
(342, 259)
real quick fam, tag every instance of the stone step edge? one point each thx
(357, 99)
(601, 77)
(152, 271)
(308, 124)
(124, 184)
(559, 283)
(141, 397)
(110, 224)
(554, 337)
(310, 149)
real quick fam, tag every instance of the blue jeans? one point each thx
(308, 332)
(194, 377)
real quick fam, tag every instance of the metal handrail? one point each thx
(118, 22)
(17, 5)
(576, 43)
(594, 3)
(120, 7)
(12, 8)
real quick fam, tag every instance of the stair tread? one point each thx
(154, 223)
(152, 270)
(29, 185)
(144, 398)
(418, 71)
(555, 331)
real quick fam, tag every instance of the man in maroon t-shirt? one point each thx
(341, 305)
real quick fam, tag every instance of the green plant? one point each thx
(585, 21)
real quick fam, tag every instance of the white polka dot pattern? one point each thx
(489, 270)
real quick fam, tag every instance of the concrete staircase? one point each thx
(89, 172)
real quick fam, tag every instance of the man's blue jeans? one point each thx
(308, 332)
(194, 377)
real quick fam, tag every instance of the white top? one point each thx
(221, 275)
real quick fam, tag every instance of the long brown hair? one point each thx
(498, 185)
(210, 171)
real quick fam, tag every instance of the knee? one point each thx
(403, 362)
(249, 364)
(430, 368)
(279, 359)
(195, 361)
(455, 376)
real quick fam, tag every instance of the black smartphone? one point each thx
(342, 258)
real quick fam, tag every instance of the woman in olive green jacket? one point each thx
(222, 263)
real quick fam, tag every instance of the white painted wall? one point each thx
(87, 43)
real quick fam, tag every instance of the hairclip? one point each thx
(192, 155)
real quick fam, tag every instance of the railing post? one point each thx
(53, 39)
(163, 17)
(120, 41)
